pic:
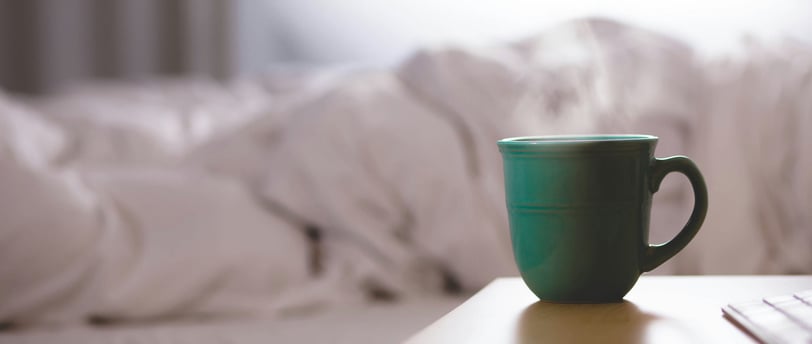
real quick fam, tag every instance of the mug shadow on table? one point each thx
(621, 322)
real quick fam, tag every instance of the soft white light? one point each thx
(382, 32)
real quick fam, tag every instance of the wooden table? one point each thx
(659, 309)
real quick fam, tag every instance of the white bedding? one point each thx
(349, 324)
(192, 198)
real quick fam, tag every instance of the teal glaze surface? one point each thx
(579, 209)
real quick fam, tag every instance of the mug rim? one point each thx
(574, 139)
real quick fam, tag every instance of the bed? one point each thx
(374, 323)
(357, 206)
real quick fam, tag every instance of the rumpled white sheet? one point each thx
(196, 199)
(104, 224)
(402, 169)
(755, 148)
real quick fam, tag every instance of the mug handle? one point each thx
(654, 255)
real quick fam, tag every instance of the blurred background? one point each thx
(47, 44)
(160, 116)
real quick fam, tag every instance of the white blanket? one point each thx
(755, 148)
(105, 222)
(198, 199)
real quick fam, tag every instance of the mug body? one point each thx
(579, 210)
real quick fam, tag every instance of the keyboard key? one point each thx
(777, 319)
(796, 309)
(777, 301)
(753, 307)
(805, 296)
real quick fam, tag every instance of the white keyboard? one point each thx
(779, 319)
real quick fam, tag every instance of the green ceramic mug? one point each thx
(579, 209)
